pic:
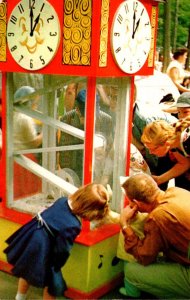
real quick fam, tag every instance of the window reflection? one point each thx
(105, 123)
(73, 158)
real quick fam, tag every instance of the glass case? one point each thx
(49, 123)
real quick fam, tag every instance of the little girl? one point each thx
(40, 248)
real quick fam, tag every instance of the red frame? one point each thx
(92, 72)
(56, 66)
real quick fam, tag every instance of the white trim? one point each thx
(45, 174)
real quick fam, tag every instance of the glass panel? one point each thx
(45, 133)
(71, 160)
(106, 105)
(111, 126)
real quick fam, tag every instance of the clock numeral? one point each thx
(31, 63)
(142, 11)
(50, 49)
(21, 58)
(116, 34)
(139, 62)
(123, 61)
(120, 19)
(32, 3)
(53, 34)
(10, 34)
(21, 9)
(42, 7)
(13, 48)
(13, 20)
(50, 18)
(118, 49)
(147, 24)
(42, 60)
(135, 5)
(131, 66)
(126, 8)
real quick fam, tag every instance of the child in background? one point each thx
(40, 248)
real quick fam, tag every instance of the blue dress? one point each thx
(42, 246)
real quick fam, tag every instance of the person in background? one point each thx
(25, 136)
(109, 99)
(183, 105)
(70, 96)
(73, 159)
(166, 232)
(103, 163)
(137, 162)
(41, 247)
(143, 115)
(161, 138)
(175, 69)
(186, 82)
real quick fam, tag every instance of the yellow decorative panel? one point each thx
(93, 266)
(3, 29)
(7, 228)
(153, 33)
(77, 32)
(104, 33)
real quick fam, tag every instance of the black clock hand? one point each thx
(137, 25)
(134, 19)
(35, 24)
(31, 21)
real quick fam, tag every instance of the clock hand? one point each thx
(137, 25)
(134, 18)
(35, 24)
(31, 21)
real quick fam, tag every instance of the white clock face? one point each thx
(33, 33)
(131, 36)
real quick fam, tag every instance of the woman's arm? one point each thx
(182, 165)
(174, 75)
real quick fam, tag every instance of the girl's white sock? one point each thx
(20, 296)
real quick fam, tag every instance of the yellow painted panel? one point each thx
(7, 228)
(104, 265)
(76, 270)
(88, 268)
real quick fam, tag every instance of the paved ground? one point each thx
(8, 286)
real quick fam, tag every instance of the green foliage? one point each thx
(182, 25)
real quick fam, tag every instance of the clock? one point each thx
(131, 36)
(33, 34)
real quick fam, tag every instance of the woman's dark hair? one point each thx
(179, 52)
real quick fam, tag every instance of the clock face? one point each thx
(131, 36)
(33, 33)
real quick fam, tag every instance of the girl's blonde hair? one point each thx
(160, 131)
(90, 202)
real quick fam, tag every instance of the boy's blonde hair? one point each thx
(160, 131)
